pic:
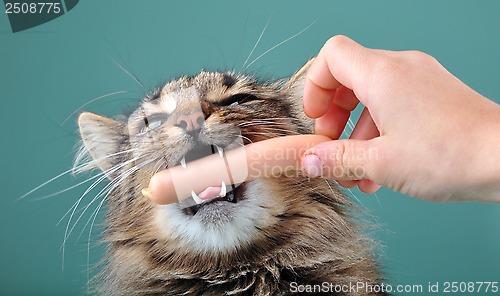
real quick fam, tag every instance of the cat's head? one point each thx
(209, 109)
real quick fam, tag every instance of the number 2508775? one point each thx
(33, 8)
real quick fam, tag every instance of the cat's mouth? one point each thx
(226, 193)
(230, 197)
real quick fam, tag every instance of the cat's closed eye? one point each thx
(154, 121)
(238, 99)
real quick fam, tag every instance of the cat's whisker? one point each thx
(67, 189)
(128, 73)
(267, 134)
(268, 120)
(262, 122)
(350, 125)
(279, 44)
(49, 181)
(72, 210)
(75, 206)
(83, 161)
(279, 130)
(92, 218)
(103, 177)
(91, 101)
(274, 120)
(256, 43)
(112, 185)
(245, 138)
(376, 197)
(348, 129)
(265, 124)
(350, 191)
(241, 42)
(103, 193)
(96, 211)
(158, 164)
(277, 118)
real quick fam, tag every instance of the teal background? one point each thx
(49, 72)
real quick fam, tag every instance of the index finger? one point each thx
(266, 158)
(319, 88)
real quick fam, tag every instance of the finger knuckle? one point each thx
(344, 166)
(336, 41)
(419, 57)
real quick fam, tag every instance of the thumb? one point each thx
(346, 159)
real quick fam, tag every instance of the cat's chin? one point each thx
(217, 226)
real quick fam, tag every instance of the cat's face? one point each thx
(211, 109)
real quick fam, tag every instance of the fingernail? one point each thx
(312, 165)
(146, 192)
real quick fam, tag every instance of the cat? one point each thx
(267, 237)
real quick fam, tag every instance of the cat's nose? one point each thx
(190, 122)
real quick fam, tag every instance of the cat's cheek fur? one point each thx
(241, 225)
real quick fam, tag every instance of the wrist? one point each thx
(482, 182)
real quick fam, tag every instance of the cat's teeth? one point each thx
(183, 162)
(223, 190)
(220, 150)
(196, 198)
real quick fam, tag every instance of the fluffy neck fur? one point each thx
(310, 245)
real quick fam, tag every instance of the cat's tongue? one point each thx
(210, 193)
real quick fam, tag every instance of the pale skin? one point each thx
(423, 132)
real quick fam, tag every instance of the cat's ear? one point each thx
(295, 87)
(296, 82)
(101, 138)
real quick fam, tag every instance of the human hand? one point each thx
(423, 132)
